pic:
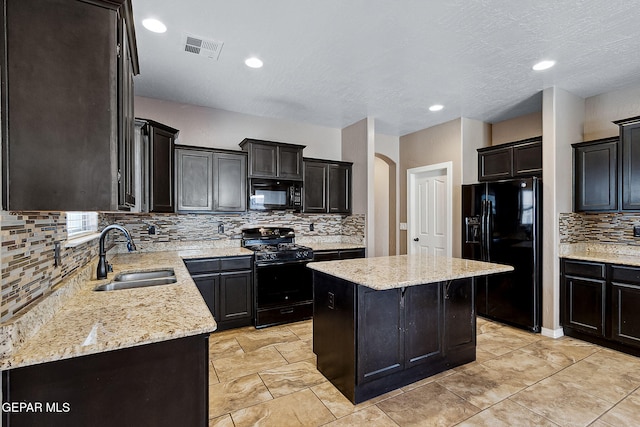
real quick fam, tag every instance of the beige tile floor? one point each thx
(267, 377)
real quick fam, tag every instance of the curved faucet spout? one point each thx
(103, 265)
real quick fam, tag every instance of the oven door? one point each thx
(284, 293)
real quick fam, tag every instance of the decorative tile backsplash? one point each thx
(184, 228)
(613, 227)
(26, 256)
(27, 242)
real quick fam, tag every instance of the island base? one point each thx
(369, 342)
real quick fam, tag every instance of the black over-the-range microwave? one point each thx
(271, 194)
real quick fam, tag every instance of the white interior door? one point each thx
(429, 211)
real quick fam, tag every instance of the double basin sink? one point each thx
(139, 279)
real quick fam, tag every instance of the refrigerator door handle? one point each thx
(488, 230)
(482, 230)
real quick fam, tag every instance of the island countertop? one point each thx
(389, 272)
(94, 322)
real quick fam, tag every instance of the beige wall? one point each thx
(523, 127)
(601, 110)
(563, 124)
(437, 144)
(387, 149)
(210, 127)
(475, 134)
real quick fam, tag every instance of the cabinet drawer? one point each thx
(326, 255)
(236, 263)
(204, 265)
(625, 274)
(287, 314)
(593, 270)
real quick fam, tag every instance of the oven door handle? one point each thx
(267, 264)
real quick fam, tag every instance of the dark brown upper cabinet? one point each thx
(596, 175)
(67, 115)
(210, 180)
(161, 143)
(630, 142)
(511, 160)
(327, 186)
(268, 159)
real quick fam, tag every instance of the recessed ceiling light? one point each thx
(544, 65)
(436, 107)
(154, 25)
(253, 62)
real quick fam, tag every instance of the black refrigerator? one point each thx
(502, 223)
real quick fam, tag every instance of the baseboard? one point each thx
(552, 333)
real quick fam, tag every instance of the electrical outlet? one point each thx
(311, 227)
(220, 228)
(403, 226)
(636, 231)
(151, 229)
(332, 300)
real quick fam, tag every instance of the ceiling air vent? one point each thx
(203, 47)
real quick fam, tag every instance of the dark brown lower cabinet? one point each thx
(369, 342)
(600, 304)
(226, 285)
(159, 384)
(332, 255)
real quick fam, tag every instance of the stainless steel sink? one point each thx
(139, 279)
(143, 275)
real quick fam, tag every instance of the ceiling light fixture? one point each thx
(436, 107)
(253, 62)
(544, 65)
(154, 25)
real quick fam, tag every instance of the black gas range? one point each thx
(283, 283)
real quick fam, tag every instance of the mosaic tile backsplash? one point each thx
(27, 243)
(613, 227)
(26, 257)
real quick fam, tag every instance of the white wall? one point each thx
(210, 127)
(563, 124)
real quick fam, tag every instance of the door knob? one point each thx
(416, 239)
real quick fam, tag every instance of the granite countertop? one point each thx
(398, 271)
(333, 246)
(600, 252)
(94, 322)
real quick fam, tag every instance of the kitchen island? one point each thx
(382, 323)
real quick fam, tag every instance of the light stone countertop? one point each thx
(601, 252)
(381, 273)
(94, 322)
(333, 246)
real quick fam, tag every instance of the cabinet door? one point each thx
(193, 180)
(235, 296)
(625, 300)
(496, 163)
(595, 176)
(207, 284)
(380, 335)
(631, 166)
(315, 187)
(289, 162)
(161, 147)
(584, 305)
(230, 182)
(527, 159)
(126, 135)
(326, 255)
(459, 314)
(339, 188)
(263, 160)
(59, 112)
(423, 323)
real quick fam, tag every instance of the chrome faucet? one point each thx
(103, 265)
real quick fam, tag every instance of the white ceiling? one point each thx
(334, 62)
